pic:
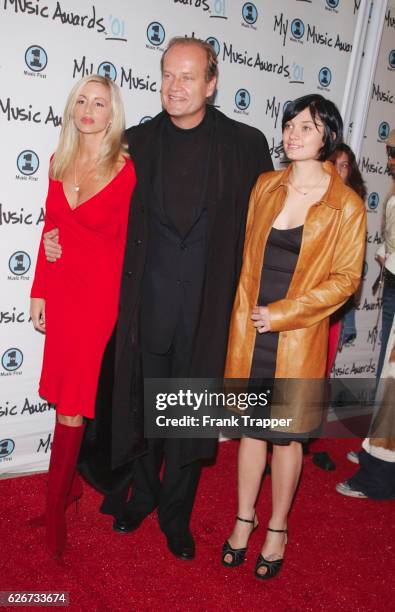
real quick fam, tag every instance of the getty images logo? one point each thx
(156, 33)
(214, 43)
(19, 263)
(242, 99)
(36, 58)
(12, 359)
(28, 162)
(108, 70)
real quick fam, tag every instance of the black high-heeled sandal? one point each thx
(272, 567)
(237, 554)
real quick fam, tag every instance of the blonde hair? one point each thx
(113, 142)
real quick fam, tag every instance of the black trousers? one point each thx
(174, 494)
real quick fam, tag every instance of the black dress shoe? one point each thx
(181, 546)
(323, 461)
(127, 524)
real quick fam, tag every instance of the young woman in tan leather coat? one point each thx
(303, 256)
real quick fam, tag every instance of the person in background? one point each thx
(375, 477)
(342, 327)
(303, 256)
(342, 323)
(91, 180)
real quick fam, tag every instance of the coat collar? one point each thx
(332, 196)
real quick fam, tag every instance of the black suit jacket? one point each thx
(240, 154)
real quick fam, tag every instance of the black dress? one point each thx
(281, 256)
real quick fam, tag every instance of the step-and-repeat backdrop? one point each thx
(359, 357)
(269, 53)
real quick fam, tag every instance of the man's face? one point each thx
(184, 87)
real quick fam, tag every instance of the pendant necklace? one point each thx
(77, 184)
(304, 193)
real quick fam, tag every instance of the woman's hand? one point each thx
(37, 313)
(261, 319)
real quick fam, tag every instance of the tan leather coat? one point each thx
(328, 271)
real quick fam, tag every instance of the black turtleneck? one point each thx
(185, 159)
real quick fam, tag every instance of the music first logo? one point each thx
(242, 101)
(324, 78)
(373, 201)
(249, 13)
(108, 70)
(27, 163)
(156, 36)
(297, 30)
(383, 131)
(7, 447)
(391, 60)
(36, 60)
(19, 264)
(215, 44)
(11, 361)
(331, 5)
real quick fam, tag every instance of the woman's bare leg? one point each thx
(286, 468)
(251, 465)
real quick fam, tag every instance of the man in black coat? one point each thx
(195, 170)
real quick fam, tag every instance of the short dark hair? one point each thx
(212, 61)
(327, 111)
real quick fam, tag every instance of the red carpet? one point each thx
(340, 554)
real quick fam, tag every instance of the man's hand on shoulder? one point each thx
(52, 248)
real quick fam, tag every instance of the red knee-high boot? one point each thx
(61, 478)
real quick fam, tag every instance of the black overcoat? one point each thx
(240, 154)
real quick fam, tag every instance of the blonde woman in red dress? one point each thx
(74, 301)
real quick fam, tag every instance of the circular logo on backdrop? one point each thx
(27, 162)
(297, 28)
(19, 263)
(325, 76)
(242, 99)
(6, 447)
(384, 130)
(12, 359)
(214, 43)
(36, 58)
(365, 269)
(108, 70)
(373, 200)
(250, 13)
(332, 3)
(156, 33)
(391, 58)
(285, 105)
(145, 119)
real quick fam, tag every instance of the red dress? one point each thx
(81, 290)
